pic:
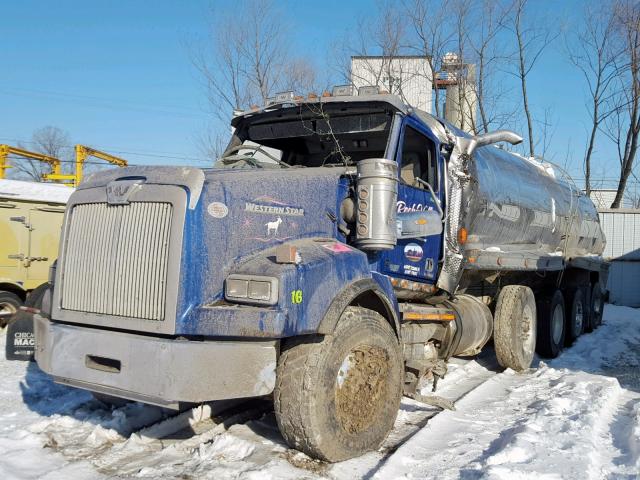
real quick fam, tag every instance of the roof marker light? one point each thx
(284, 97)
(342, 91)
(369, 90)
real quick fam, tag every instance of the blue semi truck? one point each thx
(337, 255)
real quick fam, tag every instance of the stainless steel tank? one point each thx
(513, 204)
(500, 202)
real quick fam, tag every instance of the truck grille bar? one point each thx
(116, 259)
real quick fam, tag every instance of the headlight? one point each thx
(253, 289)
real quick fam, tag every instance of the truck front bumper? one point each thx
(154, 370)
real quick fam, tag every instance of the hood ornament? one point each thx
(119, 191)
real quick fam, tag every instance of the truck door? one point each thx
(417, 156)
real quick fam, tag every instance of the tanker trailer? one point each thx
(340, 252)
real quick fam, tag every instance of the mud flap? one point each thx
(21, 340)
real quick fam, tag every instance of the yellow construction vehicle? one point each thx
(73, 180)
(83, 152)
(56, 169)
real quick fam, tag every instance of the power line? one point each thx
(114, 150)
(102, 99)
(87, 162)
(113, 106)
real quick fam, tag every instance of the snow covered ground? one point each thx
(575, 417)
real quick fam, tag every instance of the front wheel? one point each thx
(337, 396)
(514, 334)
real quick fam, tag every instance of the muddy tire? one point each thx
(597, 306)
(576, 314)
(10, 303)
(551, 324)
(337, 396)
(514, 334)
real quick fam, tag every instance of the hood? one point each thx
(243, 212)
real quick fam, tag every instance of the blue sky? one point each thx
(117, 75)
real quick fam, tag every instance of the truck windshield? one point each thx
(310, 140)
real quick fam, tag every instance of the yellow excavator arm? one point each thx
(6, 150)
(83, 152)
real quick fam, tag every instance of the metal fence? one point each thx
(622, 229)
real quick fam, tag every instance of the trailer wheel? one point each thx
(514, 332)
(337, 396)
(551, 325)
(597, 306)
(576, 313)
(9, 305)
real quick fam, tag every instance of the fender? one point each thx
(13, 287)
(326, 267)
(367, 293)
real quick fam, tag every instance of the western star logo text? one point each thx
(273, 210)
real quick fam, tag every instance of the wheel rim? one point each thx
(578, 319)
(597, 304)
(7, 310)
(528, 334)
(361, 387)
(557, 324)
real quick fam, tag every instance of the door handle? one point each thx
(28, 260)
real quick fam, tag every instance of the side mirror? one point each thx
(418, 224)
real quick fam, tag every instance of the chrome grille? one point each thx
(116, 259)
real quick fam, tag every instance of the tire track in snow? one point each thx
(516, 425)
(567, 419)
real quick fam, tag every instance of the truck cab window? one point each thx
(418, 160)
(308, 138)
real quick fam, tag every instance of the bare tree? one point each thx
(301, 77)
(248, 60)
(465, 94)
(623, 126)
(377, 47)
(532, 37)
(484, 49)
(49, 140)
(211, 143)
(245, 58)
(594, 51)
(433, 36)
